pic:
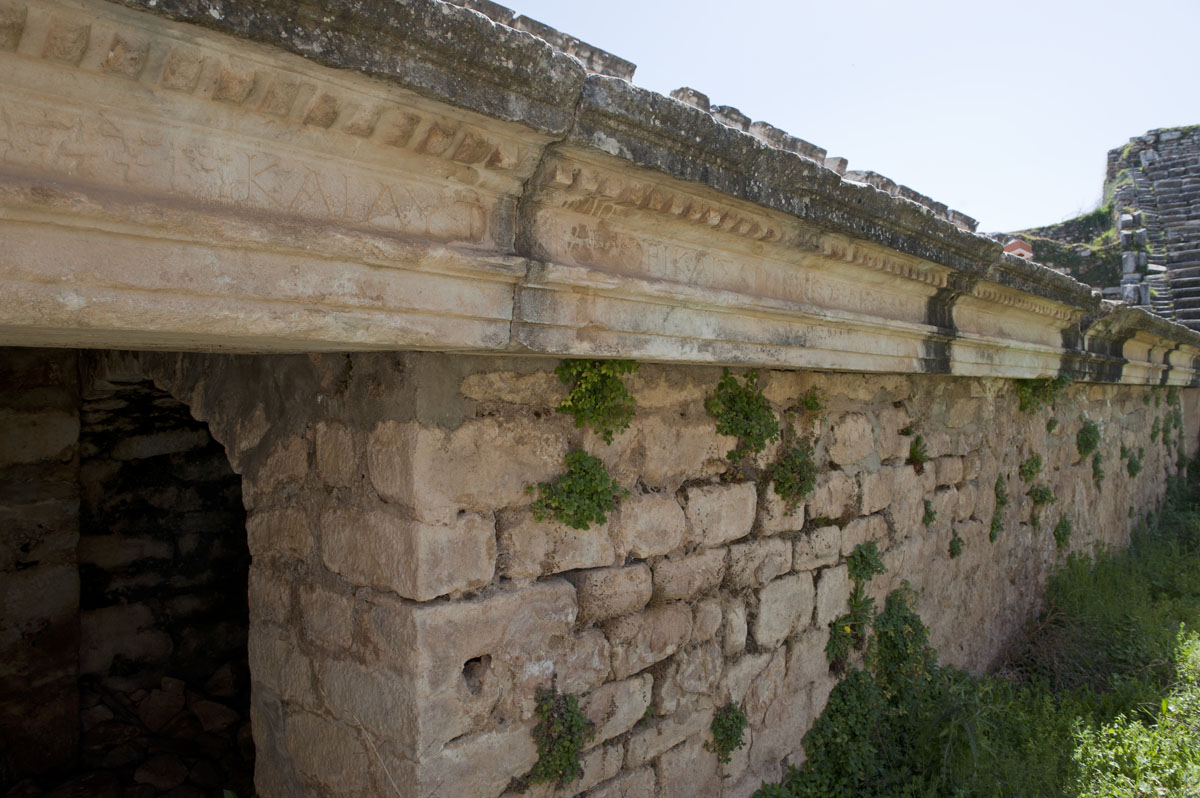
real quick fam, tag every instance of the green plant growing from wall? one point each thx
(1030, 468)
(741, 411)
(597, 397)
(1042, 495)
(1098, 468)
(1088, 438)
(561, 733)
(1173, 395)
(850, 631)
(1156, 429)
(1052, 425)
(1125, 453)
(811, 402)
(728, 729)
(582, 496)
(1146, 399)
(930, 514)
(794, 473)
(1033, 395)
(1062, 533)
(1133, 465)
(918, 456)
(996, 527)
(956, 544)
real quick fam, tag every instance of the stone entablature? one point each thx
(459, 185)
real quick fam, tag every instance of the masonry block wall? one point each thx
(405, 606)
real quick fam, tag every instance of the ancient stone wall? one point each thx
(405, 606)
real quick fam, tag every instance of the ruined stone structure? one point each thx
(1142, 245)
(350, 246)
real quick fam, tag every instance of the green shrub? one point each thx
(1052, 425)
(1156, 429)
(1098, 468)
(956, 544)
(561, 733)
(996, 527)
(811, 401)
(1062, 533)
(1033, 395)
(741, 411)
(584, 495)
(597, 397)
(864, 562)
(1042, 494)
(794, 472)
(917, 455)
(1133, 465)
(930, 513)
(728, 727)
(1030, 468)
(1001, 493)
(1173, 395)
(1088, 438)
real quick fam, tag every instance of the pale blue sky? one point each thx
(1004, 111)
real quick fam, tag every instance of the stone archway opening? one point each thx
(161, 675)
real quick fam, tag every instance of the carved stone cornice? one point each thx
(457, 185)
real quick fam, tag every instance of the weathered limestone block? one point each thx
(863, 529)
(876, 490)
(277, 666)
(689, 576)
(665, 733)
(328, 756)
(541, 389)
(480, 764)
(833, 593)
(647, 525)
(806, 656)
(835, 495)
(283, 532)
(688, 769)
(853, 438)
(326, 618)
(616, 707)
(694, 671)
(605, 593)
(437, 473)
(764, 687)
(642, 639)
(967, 497)
(892, 445)
(717, 514)
(336, 454)
(949, 470)
(818, 548)
(774, 515)
(461, 657)
(908, 500)
(944, 503)
(416, 560)
(706, 620)
(782, 605)
(633, 784)
(286, 464)
(735, 628)
(678, 449)
(536, 548)
(741, 674)
(755, 563)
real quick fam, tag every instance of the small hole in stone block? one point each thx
(473, 672)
